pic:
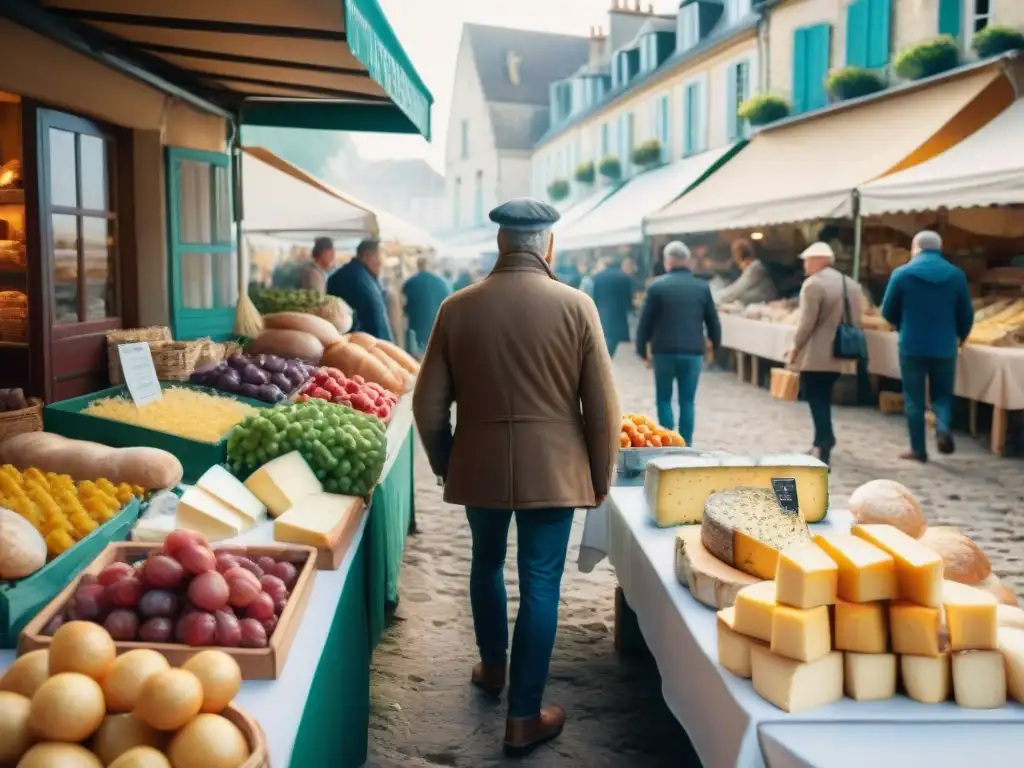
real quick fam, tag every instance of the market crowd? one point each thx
(524, 354)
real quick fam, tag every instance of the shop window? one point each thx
(738, 92)
(203, 257)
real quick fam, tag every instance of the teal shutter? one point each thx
(732, 120)
(950, 16)
(818, 44)
(857, 14)
(800, 63)
(879, 32)
(690, 121)
(203, 259)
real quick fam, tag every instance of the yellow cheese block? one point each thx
(916, 629)
(970, 617)
(802, 634)
(746, 528)
(861, 627)
(229, 490)
(283, 481)
(734, 648)
(806, 577)
(200, 512)
(926, 679)
(318, 521)
(979, 679)
(869, 676)
(866, 573)
(918, 569)
(754, 608)
(1011, 645)
(677, 486)
(795, 686)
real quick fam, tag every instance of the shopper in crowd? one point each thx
(358, 284)
(670, 336)
(463, 280)
(929, 303)
(823, 299)
(753, 284)
(521, 357)
(587, 281)
(613, 295)
(423, 293)
(313, 272)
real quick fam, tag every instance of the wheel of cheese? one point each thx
(962, 559)
(890, 503)
(1010, 616)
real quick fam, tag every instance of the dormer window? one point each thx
(736, 10)
(625, 67)
(561, 101)
(688, 29)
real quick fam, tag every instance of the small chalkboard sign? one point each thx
(785, 492)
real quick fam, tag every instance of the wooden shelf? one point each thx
(12, 197)
(13, 344)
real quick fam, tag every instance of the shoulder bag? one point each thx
(849, 343)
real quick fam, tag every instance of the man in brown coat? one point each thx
(523, 358)
(824, 296)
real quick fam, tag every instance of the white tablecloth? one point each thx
(728, 723)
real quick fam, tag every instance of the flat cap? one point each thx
(524, 214)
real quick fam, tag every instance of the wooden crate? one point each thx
(890, 402)
(785, 384)
(256, 663)
(259, 755)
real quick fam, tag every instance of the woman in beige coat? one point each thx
(822, 308)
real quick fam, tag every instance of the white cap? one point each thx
(818, 250)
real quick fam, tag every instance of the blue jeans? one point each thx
(684, 372)
(543, 536)
(939, 375)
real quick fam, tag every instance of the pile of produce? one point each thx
(187, 593)
(346, 449)
(270, 300)
(59, 509)
(639, 431)
(332, 385)
(80, 705)
(268, 378)
(381, 362)
(186, 413)
(148, 468)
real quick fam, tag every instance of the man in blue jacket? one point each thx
(424, 293)
(358, 285)
(929, 303)
(613, 295)
(677, 312)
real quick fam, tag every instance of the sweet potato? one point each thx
(287, 344)
(301, 321)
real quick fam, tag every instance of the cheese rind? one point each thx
(317, 521)
(229, 490)
(794, 686)
(746, 528)
(866, 573)
(200, 512)
(918, 569)
(970, 617)
(806, 577)
(802, 634)
(916, 629)
(676, 487)
(926, 679)
(869, 676)
(754, 608)
(979, 679)
(861, 627)
(734, 648)
(281, 482)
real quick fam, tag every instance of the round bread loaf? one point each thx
(963, 560)
(889, 503)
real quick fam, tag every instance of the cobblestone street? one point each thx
(425, 712)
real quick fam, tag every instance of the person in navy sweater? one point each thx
(358, 285)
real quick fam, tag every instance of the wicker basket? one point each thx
(130, 336)
(25, 420)
(336, 312)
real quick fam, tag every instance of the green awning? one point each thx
(329, 64)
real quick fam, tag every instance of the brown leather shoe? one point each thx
(911, 456)
(525, 734)
(489, 678)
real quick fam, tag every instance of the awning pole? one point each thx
(857, 238)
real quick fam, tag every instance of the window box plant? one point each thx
(764, 108)
(610, 168)
(853, 83)
(585, 173)
(992, 41)
(647, 154)
(932, 57)
(558, 190)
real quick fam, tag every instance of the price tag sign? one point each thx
(785, 492)
(139, 373)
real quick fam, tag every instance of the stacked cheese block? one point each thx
(857, 612)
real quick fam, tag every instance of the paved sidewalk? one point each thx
(425, 713)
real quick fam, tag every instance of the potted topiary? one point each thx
(647, 154)
(558, 190)
(610, 168)
(992, 41)
(585, 172)
(764, 108)
(932, 57)
(853, 82)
